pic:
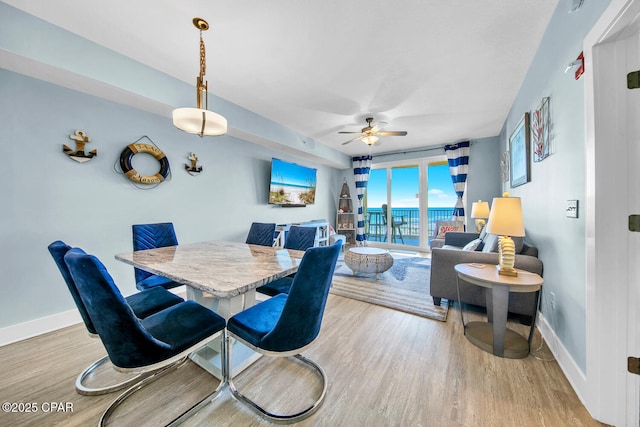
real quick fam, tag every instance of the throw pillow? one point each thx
(472, 245)
(490, 243)
(445, 228)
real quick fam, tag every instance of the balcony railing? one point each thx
(407, 220)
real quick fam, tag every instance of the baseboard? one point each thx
(570, 369)
(32, 328)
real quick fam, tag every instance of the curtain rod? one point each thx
(417, 150)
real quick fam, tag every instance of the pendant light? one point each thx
(198, 120)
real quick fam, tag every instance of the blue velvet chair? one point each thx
(298, 238)
(143, 304)
(151, 236)
(285, 325)
(156, 343)
(261, 234)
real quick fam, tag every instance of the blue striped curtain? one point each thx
(361, 168)
(458, 157)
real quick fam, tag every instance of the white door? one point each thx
(633, 162)
(613, 193)
(632, 63)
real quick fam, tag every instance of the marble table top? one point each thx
(224, 269)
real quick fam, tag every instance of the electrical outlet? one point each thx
(552, 301)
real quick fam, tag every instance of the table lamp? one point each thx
(480, 212)
(506, 219)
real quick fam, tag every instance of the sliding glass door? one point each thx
(404, 199)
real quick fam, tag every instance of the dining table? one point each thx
(222, 276)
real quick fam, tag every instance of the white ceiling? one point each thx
(443, 70)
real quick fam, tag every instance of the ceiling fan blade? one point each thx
(351, 140)
(378, 126)
(348, 132)
(392, 133)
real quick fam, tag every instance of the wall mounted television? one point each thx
(291, 184)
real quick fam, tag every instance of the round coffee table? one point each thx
(368, 260)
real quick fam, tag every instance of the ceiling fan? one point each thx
(371, 134)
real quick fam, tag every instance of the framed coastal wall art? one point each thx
(504, 166)
(520, 153)
(540, 125)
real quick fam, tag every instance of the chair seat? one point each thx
(153, 281)
(169, 325)
(255, 322)
(276, 287)
(150, 301)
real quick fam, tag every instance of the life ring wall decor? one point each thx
(128, 170)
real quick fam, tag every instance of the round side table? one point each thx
(494, 336)
(368, 260)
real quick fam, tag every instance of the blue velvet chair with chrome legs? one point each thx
(156, 343)
(285, 325)
(151, 236)
(143, 304)
(261, 234)
(298, 238)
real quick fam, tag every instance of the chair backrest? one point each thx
(300, 238)
(127, 342)
(151, 236)
(261, 234)
(58, 250)
(301, 318)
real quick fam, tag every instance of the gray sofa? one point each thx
(443, 275)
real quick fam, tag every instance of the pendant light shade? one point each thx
(200, 120)
(197, 120)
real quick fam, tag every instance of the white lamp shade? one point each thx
(506, 217)
(190, 120)
(480, 209)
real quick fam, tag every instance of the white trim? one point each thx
(32, 328)
(569, 368)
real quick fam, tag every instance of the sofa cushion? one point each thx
(519, 243)
(491, 243)
(472, 245)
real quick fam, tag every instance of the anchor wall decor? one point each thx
(193, 169)
(81, 138)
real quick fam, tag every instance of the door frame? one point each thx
(423, 164)
(611, 394)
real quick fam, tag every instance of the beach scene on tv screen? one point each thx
(292, 184)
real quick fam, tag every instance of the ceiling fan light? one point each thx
(370, 139)
(199, 121)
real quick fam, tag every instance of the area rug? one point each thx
(404, 287)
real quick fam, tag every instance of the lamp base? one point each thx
(506, 257)
(480, 223)
(507, 272)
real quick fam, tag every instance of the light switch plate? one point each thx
(572, 209)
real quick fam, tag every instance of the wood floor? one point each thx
(385, 368)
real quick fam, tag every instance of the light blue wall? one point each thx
(560, 177)
(47, 196)
(34, 47)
